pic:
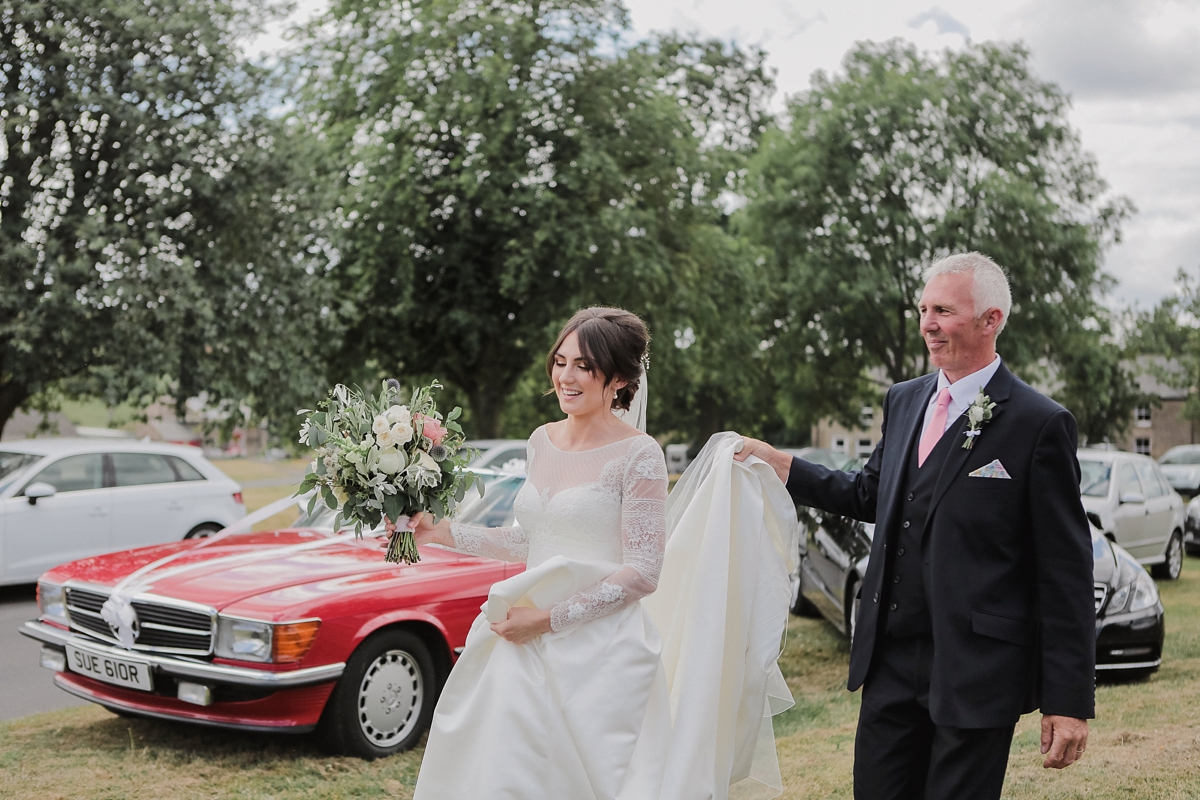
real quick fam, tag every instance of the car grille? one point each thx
(162, 628)
(1101, 595)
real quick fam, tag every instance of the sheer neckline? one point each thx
(546, 436)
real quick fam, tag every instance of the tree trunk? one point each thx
(11, 398)
(486, 407)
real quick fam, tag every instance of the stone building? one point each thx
(1156, 428)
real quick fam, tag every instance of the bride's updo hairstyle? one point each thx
(614, 341)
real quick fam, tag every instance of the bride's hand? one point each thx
(424, 530)
(523, 624)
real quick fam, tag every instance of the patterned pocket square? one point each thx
(992, 470)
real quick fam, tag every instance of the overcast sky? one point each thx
(1132, 68)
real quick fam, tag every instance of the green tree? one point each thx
(147, 233)
(901, 160)
(503, 163)
(1098, 386)
(1172, 329)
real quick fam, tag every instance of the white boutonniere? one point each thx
(979, 412)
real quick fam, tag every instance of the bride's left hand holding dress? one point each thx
(523, 624)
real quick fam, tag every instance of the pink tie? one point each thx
(937, 426)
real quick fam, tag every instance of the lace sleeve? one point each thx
(505, 544)
(643, 539)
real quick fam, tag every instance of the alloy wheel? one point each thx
(390, 698)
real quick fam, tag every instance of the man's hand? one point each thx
(1063, 740)
(523, 624)
(780, 462)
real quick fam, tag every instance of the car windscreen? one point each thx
(1094, 477)
(11, 465)
(1182, 457)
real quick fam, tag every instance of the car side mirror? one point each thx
(40, 489)
(1132, 497)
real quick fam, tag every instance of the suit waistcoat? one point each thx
(907, 605)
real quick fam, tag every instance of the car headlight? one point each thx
(1145, 593)
(251, 640)
(1119, 599)
(52, 602)
(243, 639)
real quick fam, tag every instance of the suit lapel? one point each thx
(916, 416)
(998, 389)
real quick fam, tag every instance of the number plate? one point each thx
(120, 671)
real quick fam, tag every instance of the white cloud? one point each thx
(942, 21)
(1131, 48)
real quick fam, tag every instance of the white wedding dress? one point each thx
(598, 708)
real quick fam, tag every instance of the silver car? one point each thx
(1181, 465)
(1129, 499)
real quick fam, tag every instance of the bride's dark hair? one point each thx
(614, 341)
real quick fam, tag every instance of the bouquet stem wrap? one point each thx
(378, 456)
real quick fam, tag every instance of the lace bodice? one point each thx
(607, 504)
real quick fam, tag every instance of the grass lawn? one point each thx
(1145, 744)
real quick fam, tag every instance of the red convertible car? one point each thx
(285, 631)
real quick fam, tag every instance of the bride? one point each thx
(563, 689)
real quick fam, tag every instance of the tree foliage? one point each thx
(502, 163)
(1172, 329)
(901, 160)
(141, 230)
(1098, 385)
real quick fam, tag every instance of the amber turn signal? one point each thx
(292, 641)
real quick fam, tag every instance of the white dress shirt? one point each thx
(962, 393)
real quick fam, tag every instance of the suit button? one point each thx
(910, 497)
(906, 523)
(896, 579)
(892, 607)
(876, 598)
(900, 552)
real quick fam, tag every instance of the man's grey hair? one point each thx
(990, 285)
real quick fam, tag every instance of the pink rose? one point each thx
(431, 429)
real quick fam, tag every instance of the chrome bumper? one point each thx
(184, 668)
(1155, 664)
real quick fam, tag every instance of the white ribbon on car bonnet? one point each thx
(118, 610)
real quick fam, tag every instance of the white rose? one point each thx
(385, 439)
(402, 432)
(380, 425)
(399, 414)
(391, 461)
(426, 461)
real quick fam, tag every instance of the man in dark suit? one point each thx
(977, 605)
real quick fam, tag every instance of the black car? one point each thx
(1129, 615)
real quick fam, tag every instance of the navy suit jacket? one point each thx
(1007, 563)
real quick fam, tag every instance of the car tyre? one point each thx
(203, 530)
(384, 701)
(1172, 568)
(801, 605)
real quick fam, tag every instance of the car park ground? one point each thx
(1146, 743)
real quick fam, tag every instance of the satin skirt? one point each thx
(582, 714)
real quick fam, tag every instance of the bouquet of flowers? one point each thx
(377, 457)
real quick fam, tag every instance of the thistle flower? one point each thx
(438, 452)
